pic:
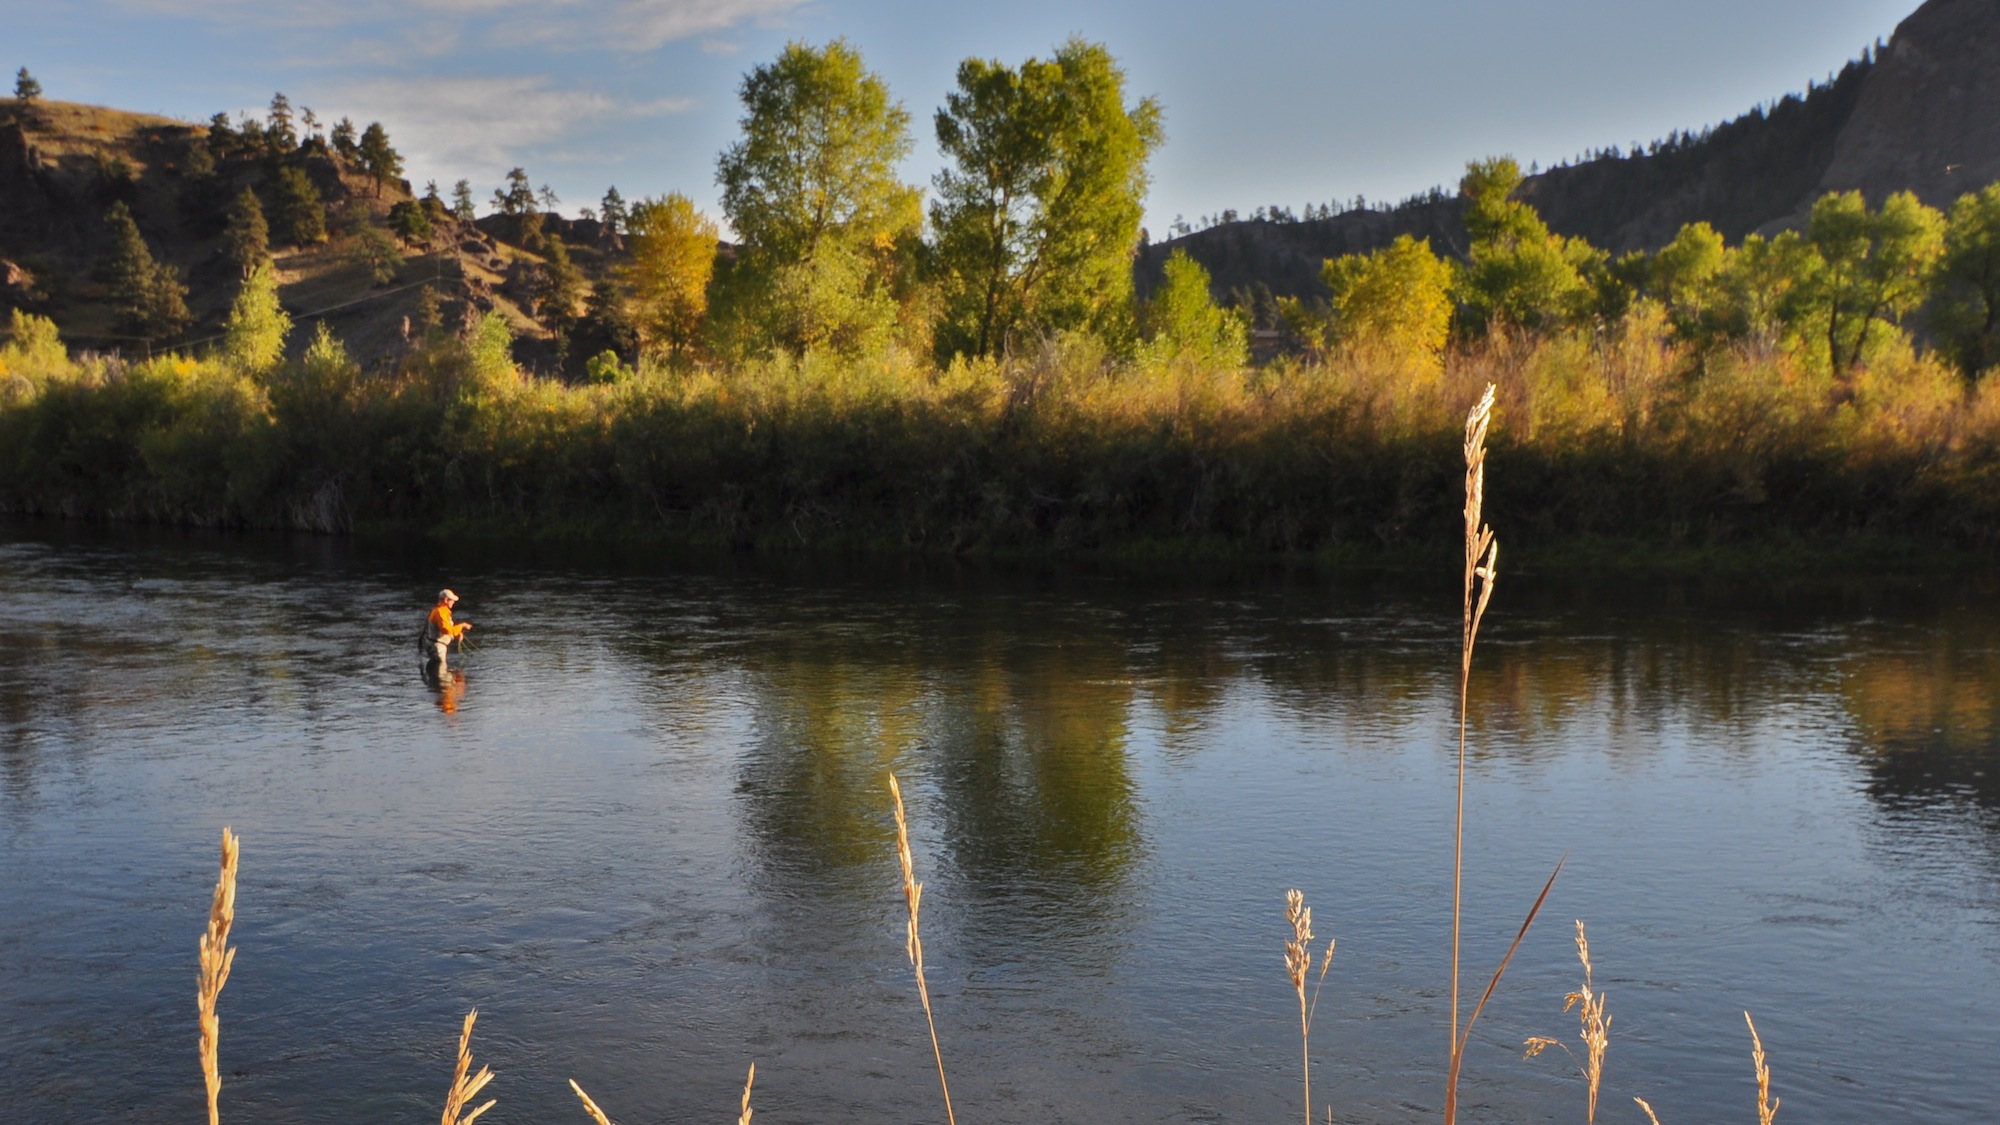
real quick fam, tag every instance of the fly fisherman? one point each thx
(439, 632)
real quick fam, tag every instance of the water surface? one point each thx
(648, 837)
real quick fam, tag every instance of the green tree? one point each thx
(375, 251)
(1182, 318)
(1967, 315)
(254, 335)
(26, 89)
(221, 138)
(462, 207)
(301, 215)
(411, 221)
(148, 295)
(811, 189)
(279, 135)
(1760, 288)
(607, 323)
(559, 287)
(612, 210)
(517, 198)
(342, 138)
(1687, 276)
(1519, 272)
(246, 241)
(1037, 219)
(1874, 269)
(672, 248)
(1397, 299)
(379, 159)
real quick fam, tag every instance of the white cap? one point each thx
(447, 594)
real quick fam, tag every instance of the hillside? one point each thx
(62, 165)
(1923, 115)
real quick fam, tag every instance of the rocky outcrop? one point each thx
(1929, 116)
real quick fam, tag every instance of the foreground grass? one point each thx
(1616, 444)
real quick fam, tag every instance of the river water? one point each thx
(647, 836)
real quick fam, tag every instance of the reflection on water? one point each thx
(655, 842)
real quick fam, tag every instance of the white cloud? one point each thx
(619, 25)
(480, 127)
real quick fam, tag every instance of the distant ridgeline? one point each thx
(1920, 114)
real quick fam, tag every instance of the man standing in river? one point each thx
(439, 632)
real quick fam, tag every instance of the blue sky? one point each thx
(1266, 101)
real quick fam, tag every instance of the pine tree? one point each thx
(278, 132)
(301, 215)
(26, 89)
(381, 161)
(560, 287)
(342, 139)
(517, 198)
(410, 221)
(150, 298)
(613, 210)
(246, 242)
(462, 207)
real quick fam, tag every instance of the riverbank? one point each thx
(1610, 447)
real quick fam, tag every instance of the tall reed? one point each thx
(1594, 1028)
(216, 959)
(1298, 962)
(1482, 553)
(744, 1117)
(913, 894)
(463, 1087)
(1767, 1106)
(1482, 556)
(589, 1107)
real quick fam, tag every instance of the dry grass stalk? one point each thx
(589, 1106)
(1595, 1029)
(1481, 556)
(1767, 1106)
(1650, 1115)
(744, 1119)
(913, 895)
(1298, 962)
(462, 1087)
(216, 958)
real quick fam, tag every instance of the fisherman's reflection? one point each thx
(449, 685)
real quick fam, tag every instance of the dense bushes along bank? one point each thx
(1612, 432)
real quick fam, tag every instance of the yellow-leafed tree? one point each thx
(673, 256)
(1397, 299)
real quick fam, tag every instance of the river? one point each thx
(647, 836)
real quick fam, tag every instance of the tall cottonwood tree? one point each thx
(1038, 217)
(1968, 312)
(1520, 273)
(812, 190)
(1874, 268)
